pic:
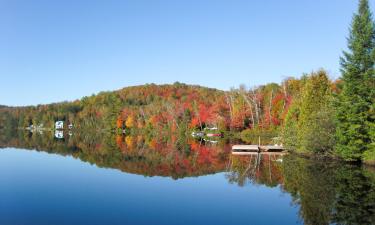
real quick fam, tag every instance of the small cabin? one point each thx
(59, 124)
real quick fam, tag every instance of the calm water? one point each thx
(140, 180)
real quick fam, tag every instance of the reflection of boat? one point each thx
(213, 135)
(210, 141)
(279, 160)
(197, 134)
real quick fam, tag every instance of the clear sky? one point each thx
(63, 50)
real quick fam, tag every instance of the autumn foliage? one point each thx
(165, 109)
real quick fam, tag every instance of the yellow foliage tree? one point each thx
(130, 121)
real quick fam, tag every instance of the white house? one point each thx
(59, 125)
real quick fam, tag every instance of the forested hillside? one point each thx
(176, 107)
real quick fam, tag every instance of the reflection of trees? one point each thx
(326, 191)
(355, 196)
(311, 186)
(330, 192)
(149, 156)
(255, 168)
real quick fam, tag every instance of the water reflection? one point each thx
(256, 168)
(330, 192)
(137, 154)
(326, 192)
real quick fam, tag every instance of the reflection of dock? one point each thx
(256, 148)
(259, 167)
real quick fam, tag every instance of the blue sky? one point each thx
(52, 51)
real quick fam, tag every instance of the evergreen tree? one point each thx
(355, 105)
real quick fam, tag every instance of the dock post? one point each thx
(259, 140)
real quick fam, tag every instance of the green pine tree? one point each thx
(355, 105)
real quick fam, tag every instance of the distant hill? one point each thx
(174, 107)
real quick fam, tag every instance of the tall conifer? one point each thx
(355, 105)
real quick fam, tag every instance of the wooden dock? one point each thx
(246, 148)
(271, 148)
(257, 153)
(257, 148)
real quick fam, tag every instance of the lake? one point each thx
(112, 179)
